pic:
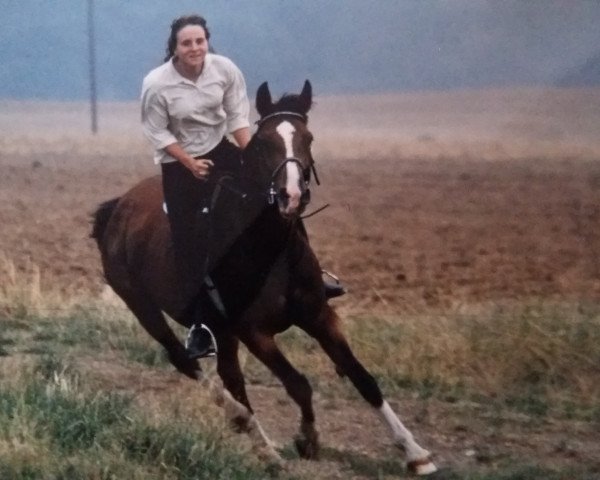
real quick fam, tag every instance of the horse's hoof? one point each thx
(275, 467)
(306, 449)
(421, 467)
(270, 456)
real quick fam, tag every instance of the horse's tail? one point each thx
(101, 217)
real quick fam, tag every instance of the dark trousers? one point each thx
(188, 199)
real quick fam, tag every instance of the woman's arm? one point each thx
(155, 126)
(237, 107)
(242, 136)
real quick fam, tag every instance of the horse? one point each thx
(263, 275)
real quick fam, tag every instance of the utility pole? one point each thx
(92, 67)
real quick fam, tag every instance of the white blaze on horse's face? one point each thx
(286, 131)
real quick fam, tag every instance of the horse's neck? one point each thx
(265, 218)
(250, 220)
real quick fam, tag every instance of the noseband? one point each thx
(272, 195)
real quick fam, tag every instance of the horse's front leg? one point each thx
(325, 330)
(296, 385)
(234, 400)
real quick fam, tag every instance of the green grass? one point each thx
(72, 432)
(82, 329)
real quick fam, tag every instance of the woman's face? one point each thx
(192, 46)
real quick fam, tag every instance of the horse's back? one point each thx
(251, 262)
(136, 248)
(144, 197)
(136, 214)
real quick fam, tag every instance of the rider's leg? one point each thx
(332, 289)
(184, 197)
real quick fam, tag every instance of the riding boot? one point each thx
(333, 290)
(200, 342)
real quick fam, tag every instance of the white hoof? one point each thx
(421, 467)
(269, 455)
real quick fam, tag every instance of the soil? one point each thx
(403, 234)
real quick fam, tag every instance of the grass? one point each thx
(52, 425)
(541, 360)
(59, 423)
(42, 321)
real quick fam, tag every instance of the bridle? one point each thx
(272, 192)
(262, 120)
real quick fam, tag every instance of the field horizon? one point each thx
(492, 123)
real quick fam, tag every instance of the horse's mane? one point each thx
(291, 103)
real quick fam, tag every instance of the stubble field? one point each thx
(450, 214)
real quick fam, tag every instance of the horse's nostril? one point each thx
(283, 194)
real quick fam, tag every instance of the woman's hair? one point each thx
(177, 25)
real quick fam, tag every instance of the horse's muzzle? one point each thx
(294, 204)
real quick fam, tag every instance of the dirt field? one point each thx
(437, 201)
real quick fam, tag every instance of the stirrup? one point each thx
(200, 342)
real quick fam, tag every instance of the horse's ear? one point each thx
(306, 97)
(264, 104)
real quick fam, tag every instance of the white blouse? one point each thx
(194, 114)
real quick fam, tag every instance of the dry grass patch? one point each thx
(541, 359)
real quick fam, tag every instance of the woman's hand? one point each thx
(200, 167)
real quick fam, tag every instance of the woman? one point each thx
(188, 105)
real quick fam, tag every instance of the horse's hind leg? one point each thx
(329, 336)
(296, 385)
(154, 322)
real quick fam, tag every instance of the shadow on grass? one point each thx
(355, 462)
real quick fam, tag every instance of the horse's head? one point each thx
(280, 149)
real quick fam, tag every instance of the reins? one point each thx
(230, 182)
(318, 210)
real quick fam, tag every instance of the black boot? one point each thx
(200, 342)
(333, 290)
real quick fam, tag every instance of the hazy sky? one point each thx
(342, 46)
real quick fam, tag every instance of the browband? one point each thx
(271, 115)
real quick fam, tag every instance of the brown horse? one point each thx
(264, 277)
